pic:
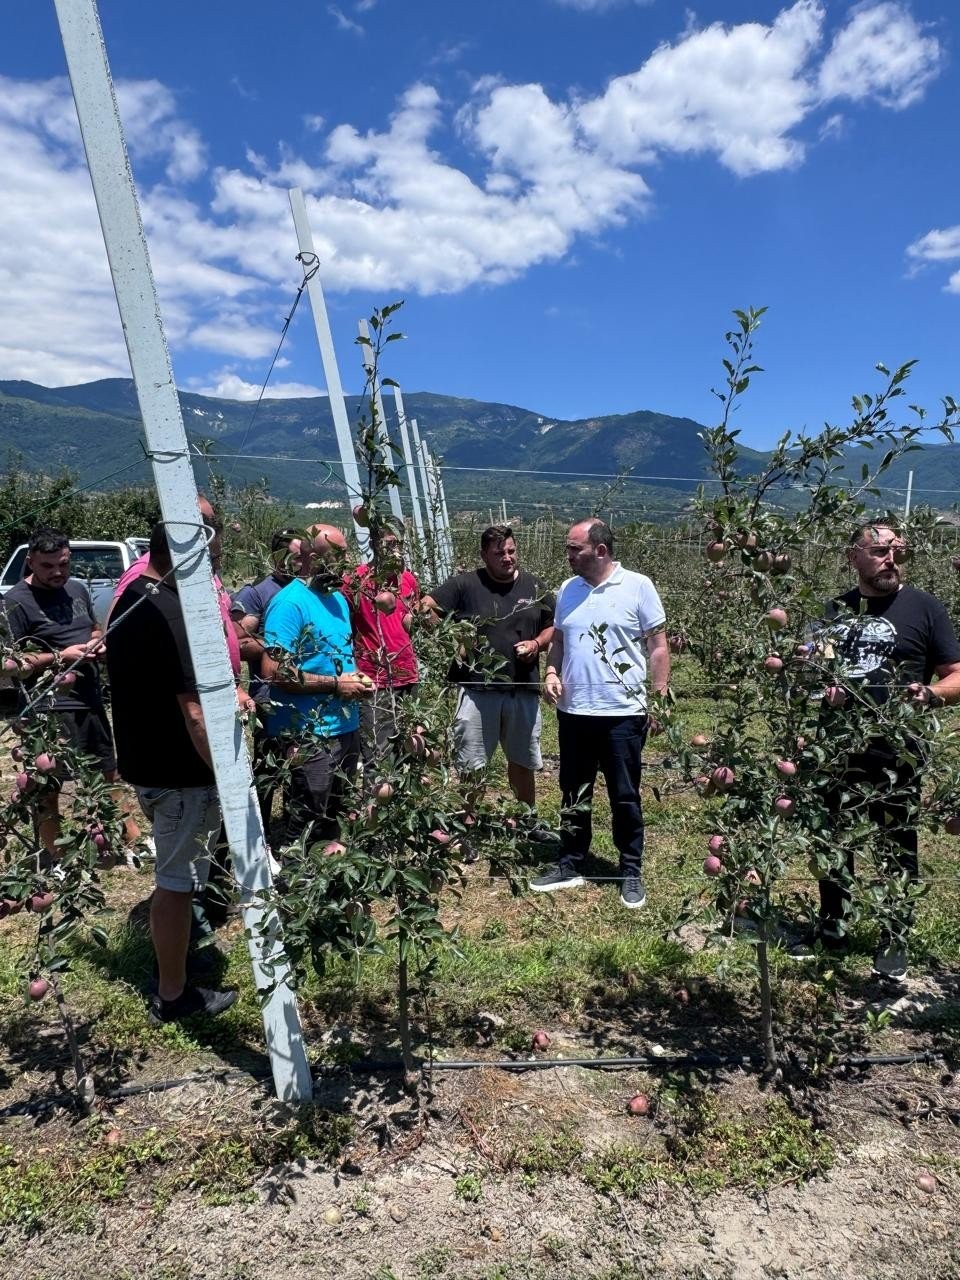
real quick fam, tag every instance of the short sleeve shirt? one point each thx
(253, 600)
(223, 598)
(314, 629)
(54, 619)
(149, 662)
(381, 643)
(901, 637)
(505, 614)
(627, 606)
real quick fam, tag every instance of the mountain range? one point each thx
(488, 449)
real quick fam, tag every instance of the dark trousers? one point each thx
(611, 745)
(265, 773)
(319, 783)
(894, 817)
(378, 723)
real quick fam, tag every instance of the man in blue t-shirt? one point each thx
(308, 662)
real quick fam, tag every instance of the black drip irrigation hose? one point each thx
(369, 1066)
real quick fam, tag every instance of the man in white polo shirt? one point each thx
(602, 710)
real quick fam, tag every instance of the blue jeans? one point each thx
(611, 745)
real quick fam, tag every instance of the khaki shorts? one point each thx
(485, 718)
(186, 824)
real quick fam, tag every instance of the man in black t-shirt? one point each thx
(513, 611)
(53, 614)
(886, 634)
(163, 751)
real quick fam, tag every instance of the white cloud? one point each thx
(939, 245)
(230, 386)
(936, 246)
(343, 23)
(391, 211)
(880, 53)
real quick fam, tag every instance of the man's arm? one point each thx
(282, 673)
(658, 654)
(945, 692)
(552, 688)
(247, 631)
(193, 718)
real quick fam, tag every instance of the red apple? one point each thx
(333, 848)
(834, 696)
(764, 561)
(66, 677)
(723, 777)
(39, 902)
(9, 907)
(361, 516)
(38, 988)
(441, 837)
(16, 753)
(786, 767)
(773, 663)
(45, 762)
(383, 792)
(716, 843)
(784, 806)
(716, 551)
(781, 563)
(23, 781)
(801, 742)
(699, 740)
(639, 1105)
(11, 664)
(952, 825)
(113, 1137)
(927, 1182)
(712, 866)
(416, 746)
(540, 1041)
(777, 619)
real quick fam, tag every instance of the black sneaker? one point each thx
(543, 835)
(556, 878)
(632, 893)
(891, 963)
(191, 1001)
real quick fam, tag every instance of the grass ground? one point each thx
(503, 1175)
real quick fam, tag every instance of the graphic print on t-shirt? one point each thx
(865, 645)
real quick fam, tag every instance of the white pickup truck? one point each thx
(99, 565)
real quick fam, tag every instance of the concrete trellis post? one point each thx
(410, 468)
(129, 259)
(331, 371)
(366, 358)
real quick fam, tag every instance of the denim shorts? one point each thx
(485, 717)
(186, 824)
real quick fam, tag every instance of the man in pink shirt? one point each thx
(382, 600)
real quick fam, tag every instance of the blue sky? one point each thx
(570, 195)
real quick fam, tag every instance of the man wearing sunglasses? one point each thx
(891, 640)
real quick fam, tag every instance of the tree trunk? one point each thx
(766, 1004)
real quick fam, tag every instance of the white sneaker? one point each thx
(144, 849)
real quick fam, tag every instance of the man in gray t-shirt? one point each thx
(53, 614)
